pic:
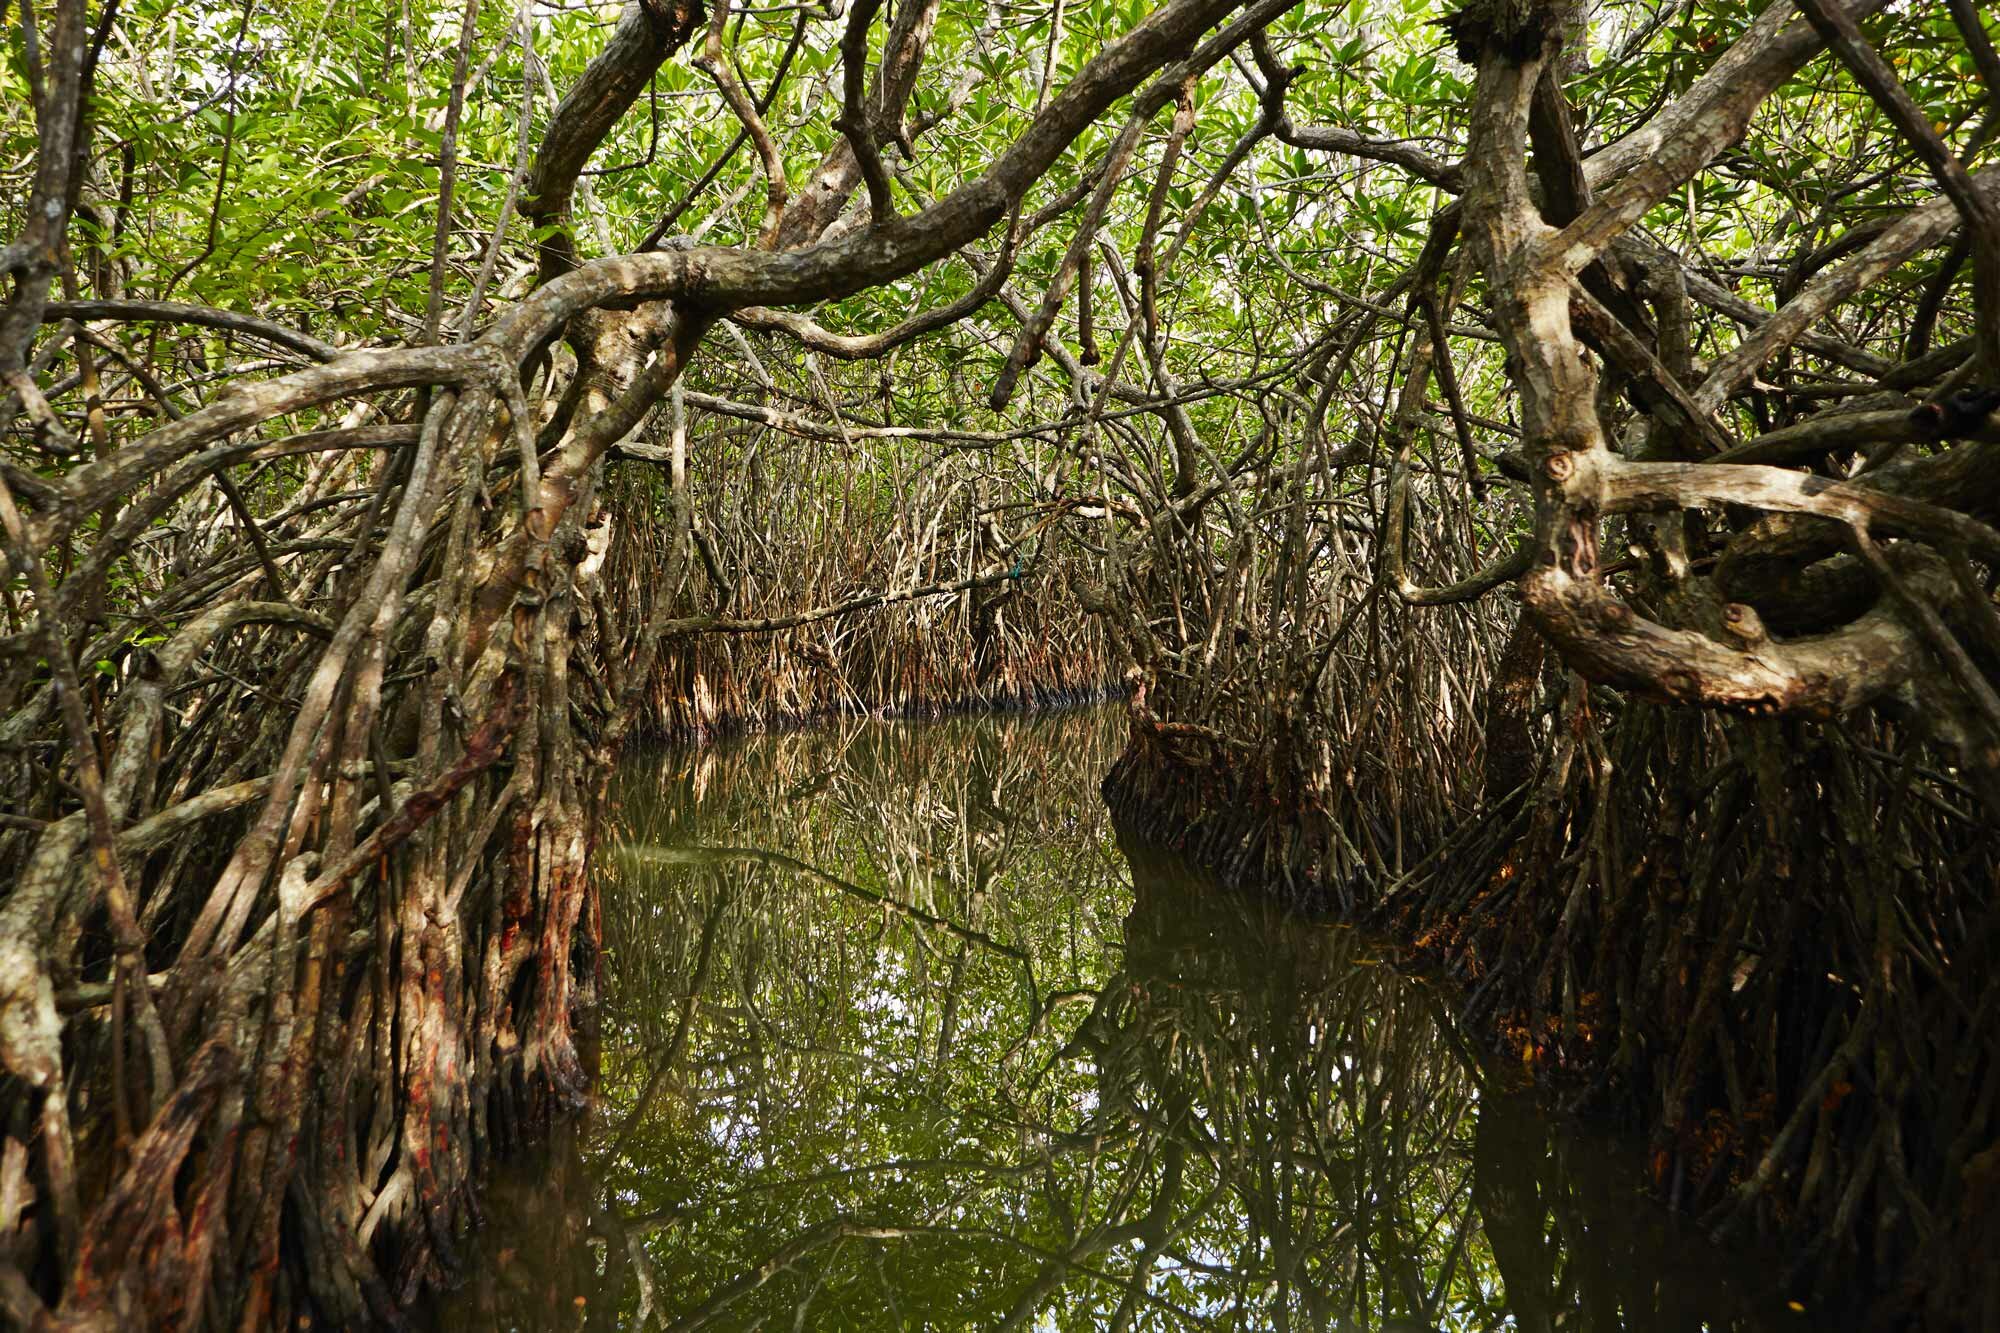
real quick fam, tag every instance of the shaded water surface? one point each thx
(900, 1035)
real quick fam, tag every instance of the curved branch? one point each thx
(1646, 166)
(1920, 229)
(718, 280)
(1028, 347)
(1628, 487)
(777, 188)
(834, 180)
(1447, 176)
(1816, 437)
(860, 347)
(245, 405)
(686, 625)
(207, 317)
(856, 122)
(649, 32)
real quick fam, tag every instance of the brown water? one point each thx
(898, 1035)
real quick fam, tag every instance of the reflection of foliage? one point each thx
(1325, 1110)
(893, 1041)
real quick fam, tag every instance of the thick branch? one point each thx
(649, 32)
(201, 316)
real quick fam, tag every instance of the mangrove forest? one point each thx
(1000, 664)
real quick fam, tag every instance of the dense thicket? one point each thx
(403, 401)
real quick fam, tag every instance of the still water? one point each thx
(899, 1034)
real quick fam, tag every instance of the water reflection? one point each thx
(899, 1035)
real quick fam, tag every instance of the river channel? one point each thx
(898, 1033)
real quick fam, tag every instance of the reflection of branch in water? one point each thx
(1245, 1130)
(677, 1046)
(1259, 1123)
(1062, 1263)
(708, 856)
(812, 1238)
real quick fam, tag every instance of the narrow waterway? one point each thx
(899, 1034)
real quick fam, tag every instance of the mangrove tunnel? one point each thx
(520, 521)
